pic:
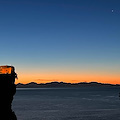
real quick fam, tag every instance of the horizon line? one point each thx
(67, 82)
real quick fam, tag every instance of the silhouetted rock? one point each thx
(7, 91)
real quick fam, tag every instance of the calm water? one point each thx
(86, 103)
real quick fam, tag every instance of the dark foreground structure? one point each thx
(7, 91)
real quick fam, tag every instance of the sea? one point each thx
(83, 103)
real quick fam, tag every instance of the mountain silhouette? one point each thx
(63, 84)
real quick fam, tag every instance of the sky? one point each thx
(61, 40)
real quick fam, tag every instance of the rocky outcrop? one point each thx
(7, 91)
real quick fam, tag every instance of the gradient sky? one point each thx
(61, 40)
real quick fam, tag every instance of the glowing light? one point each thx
(68, 78)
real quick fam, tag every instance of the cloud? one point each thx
(46, 80)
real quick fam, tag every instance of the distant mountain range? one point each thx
(63, 84)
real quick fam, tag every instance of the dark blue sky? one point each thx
(61, 34)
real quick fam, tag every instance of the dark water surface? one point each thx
(85, 103)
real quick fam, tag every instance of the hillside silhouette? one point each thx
(63, 84)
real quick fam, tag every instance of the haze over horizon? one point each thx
(64, 40)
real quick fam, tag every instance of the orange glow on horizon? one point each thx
(68, 78)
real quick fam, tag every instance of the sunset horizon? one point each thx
(69, 41)
(44, 78)
(47, 47)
